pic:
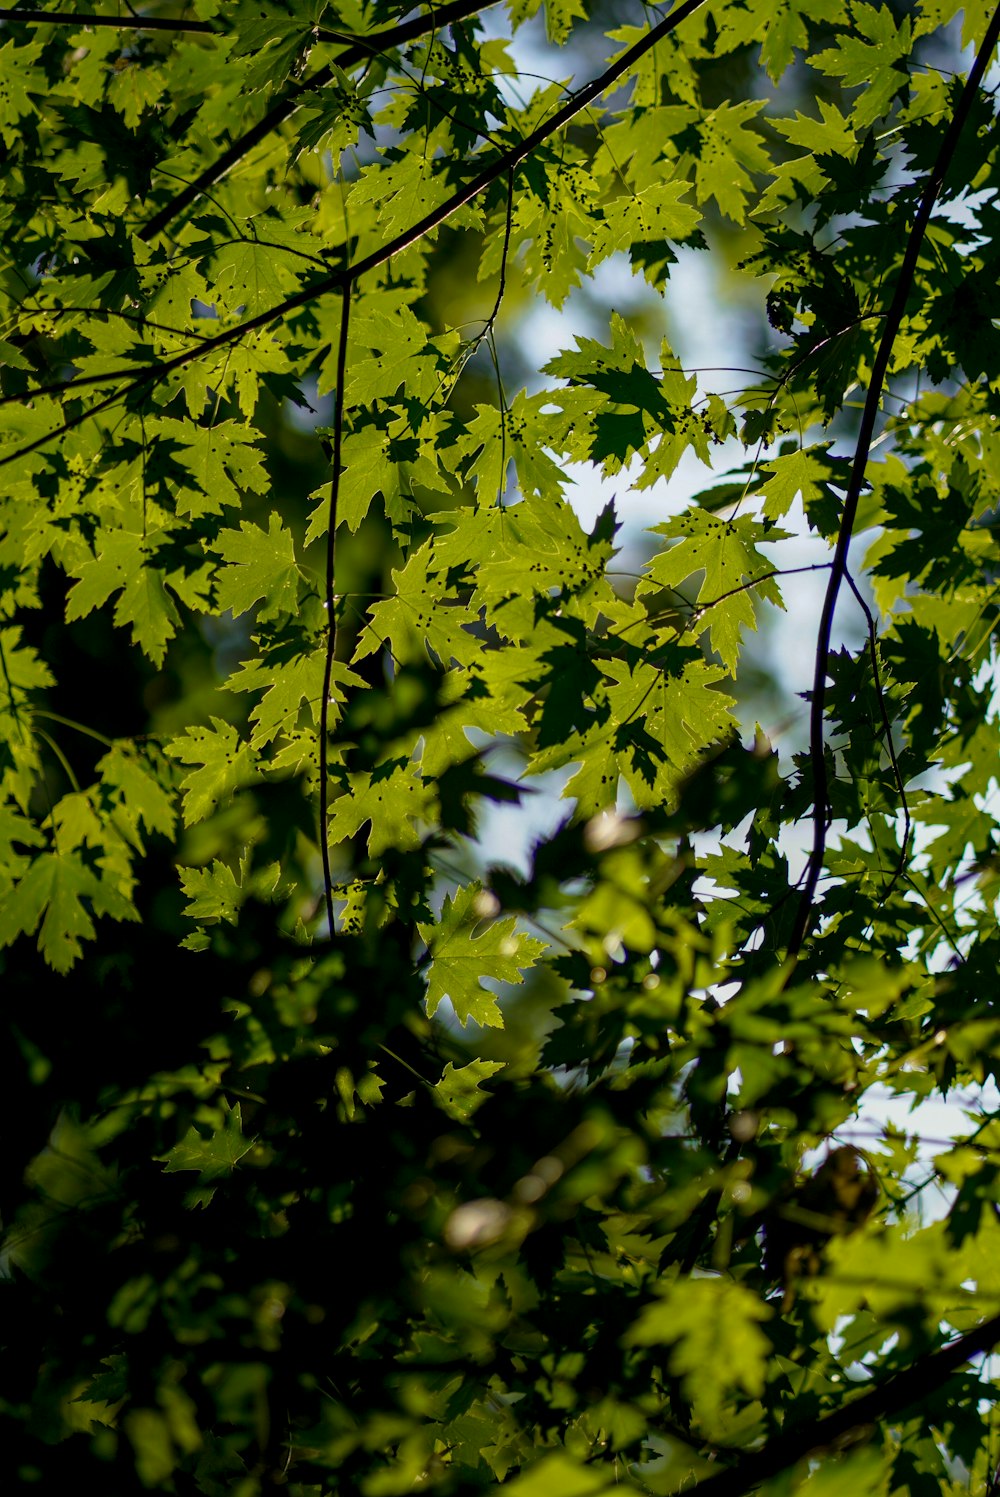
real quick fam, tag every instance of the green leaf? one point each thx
(122, 563)
(246, 276)
(934, 14)
(144, 796)
(461, 958)
(222, 462)
(420, 617)
(260, 567)
(21, 83)
(55, 891)
(559, 1475)
(807, 472)
(651, 215)
(559, 15)
(225, 764)
(22, 674)
(778, 30)
(289, 676)
(369, 469)
(393, 798)
(459, 1092)
(713, 1329)
(870, 61)
(214, 1150)
(213, 893)
(729, 152)
(726, 552)
(615, 408)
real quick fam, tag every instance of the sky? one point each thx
(712, 333)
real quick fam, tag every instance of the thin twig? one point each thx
(838, 571)
(331, 600)
(121, 23)
(890, 746)
(501, 288)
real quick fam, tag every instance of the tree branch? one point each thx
(505, 164)
(838, 571)
(891, 1397)
(28, 16)
(358, 48)
(379, 41)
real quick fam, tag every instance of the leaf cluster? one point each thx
(348, 1152)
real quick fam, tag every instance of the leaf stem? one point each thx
(69, 722)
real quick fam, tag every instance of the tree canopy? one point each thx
(344, 1152)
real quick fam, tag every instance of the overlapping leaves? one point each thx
(542, 1106)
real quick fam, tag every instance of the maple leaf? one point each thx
(289, 675)
(370, 468)
(650, 215)
(808, 472)
(526, 550)
(666, 715)
(559, 15)
(225, 764)
(55, 891)
(778, 29)
(215, 1152)
(122, 563)
(397, 353)
(707, 1362)
(144, 797)
(458, 1091)
(402, 188)
(246, 275)
(870, 60)
(418, 617)
(260, 567)
(730, 151)
(594, 785)
(22, 674)
(635, 411)
(393, 798)
(460, 958)
(726, 551)
(213, 893)
(221, 460)
(17, 835)
(20, 79)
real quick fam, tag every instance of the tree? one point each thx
(342, 1154)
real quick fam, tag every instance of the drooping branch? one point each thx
(504, 164)
(873, 399)
(893, 1396)
(356, 49)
